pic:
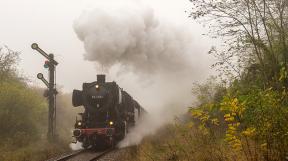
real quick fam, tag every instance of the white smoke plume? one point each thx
(135, 39)
(156, 61)
(148, 125)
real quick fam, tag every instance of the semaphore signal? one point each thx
(51, 91)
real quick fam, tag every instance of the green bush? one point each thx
(21, 112)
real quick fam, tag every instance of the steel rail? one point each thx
(102, 154)
(68, 156)
(71, 155)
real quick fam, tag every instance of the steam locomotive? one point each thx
(108, 115)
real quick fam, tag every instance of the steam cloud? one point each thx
(134, 39)
(139, 45)
(76, 146)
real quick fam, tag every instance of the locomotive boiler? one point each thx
(108, 114)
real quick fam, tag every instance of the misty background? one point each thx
(155, 52)
(164, 58)
(151, 49)
(50, 24)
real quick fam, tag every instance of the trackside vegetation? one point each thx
(23, 116)
(242, 113)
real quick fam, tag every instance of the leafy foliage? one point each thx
(21, 111)
(253, 67)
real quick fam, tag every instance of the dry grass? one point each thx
(184, 144)
(37, 151)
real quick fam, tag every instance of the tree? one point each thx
(254, 32)
(8, 60)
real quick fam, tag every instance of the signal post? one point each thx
(51, 91)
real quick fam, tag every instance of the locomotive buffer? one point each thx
(50, 63)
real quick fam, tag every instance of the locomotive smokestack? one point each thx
(100, 78)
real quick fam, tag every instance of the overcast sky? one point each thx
(50, 24)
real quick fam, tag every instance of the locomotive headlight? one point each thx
(111, 123)
(79, 123)
(97, 86)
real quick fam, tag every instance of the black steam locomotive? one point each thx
(109, 113)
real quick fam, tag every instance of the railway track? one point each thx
(83, 155)
(67, 156)
(100, 155)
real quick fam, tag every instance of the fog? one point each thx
(157, 61)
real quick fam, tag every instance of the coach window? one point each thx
(120, 96)
(136, 114)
